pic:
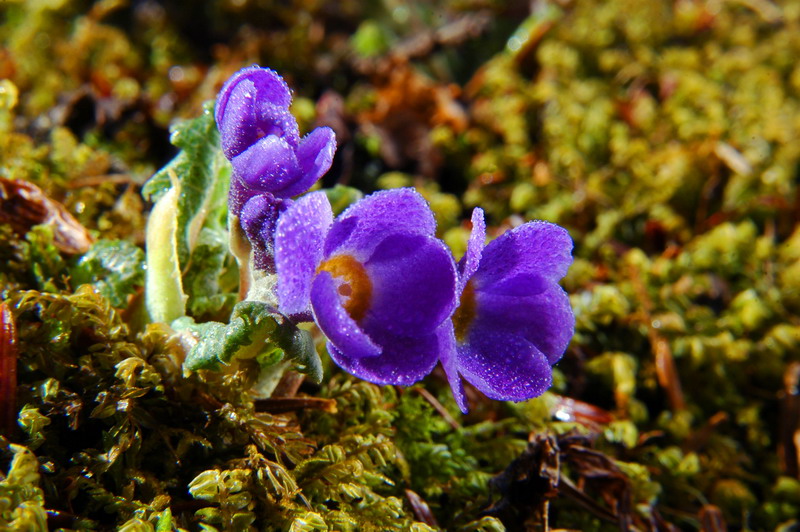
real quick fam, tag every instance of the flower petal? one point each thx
(299, 236)
(544, 319)
(336, 323)
(239, 194)
(258, 219)
(539, 248)
(271, 86)
(469, 263)
(276, 120)
(504, 366)
(253, 103)
(449, 358)
(315, 156)
(236, 116)
(413, 285)
(401, 210)
(403, 361)
(265, 83)
(269, 165)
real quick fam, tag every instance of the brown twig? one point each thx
(96, 180)
(712, 520)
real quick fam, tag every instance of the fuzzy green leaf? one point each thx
(204, 175)
(254, 329)
(114, 267)
(164, 294)
(208, 288)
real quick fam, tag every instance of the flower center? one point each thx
(355, 285)
(465, 313)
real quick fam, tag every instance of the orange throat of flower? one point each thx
(355, 285)
(465, 313)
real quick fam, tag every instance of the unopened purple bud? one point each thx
(260, 137)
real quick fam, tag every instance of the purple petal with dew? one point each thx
(270, 85)
(543, 316)
(239, 194)
(539, 248)
(403, 361)
(259, 218)
(401, 210)
(247, 121)
(469, 263)
(519, 285)
(315, 156)
(268, 165)
(236, 117)
(299, 238)
(266, 84)
(336, 323)
(449, 358)
(278, 121)
(504, 366)
(251, 102)
(413, 285)
(228, 88)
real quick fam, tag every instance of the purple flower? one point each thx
(260, 137)
(258, 219)
(513, 321)
(378, 282)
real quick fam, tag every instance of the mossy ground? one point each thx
(662, 134)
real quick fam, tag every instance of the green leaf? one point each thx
(186, 236)
(254, 329)
(203, 174)
(206, 282)
(164, 295)
(114, 267)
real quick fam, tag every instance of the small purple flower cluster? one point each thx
(271, 163)
(384, 290)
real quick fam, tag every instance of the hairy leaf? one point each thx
(254, 329)
(114, 267)
(165, 299)
(206, 284)
(203, 174)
